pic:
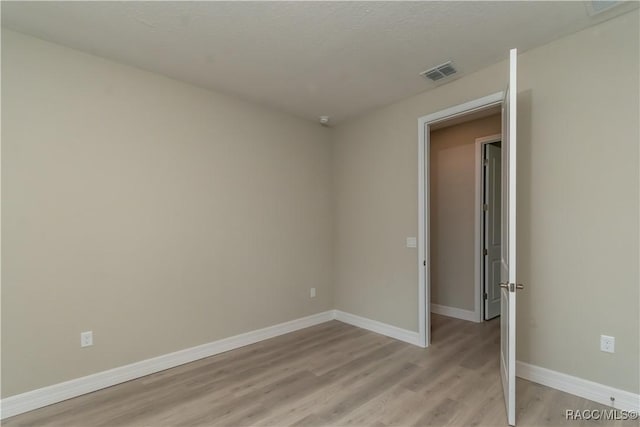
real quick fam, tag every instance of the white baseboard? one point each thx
(45, 396)
(405, 335)
(458, 313)
(590, 390)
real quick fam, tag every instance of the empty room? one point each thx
(320, 213)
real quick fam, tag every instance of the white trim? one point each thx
(458, 313)
(478, 258)
(424, 296)
(463, 109)
(405, 335)
(424, 123)
(586, 389)
(45, 396)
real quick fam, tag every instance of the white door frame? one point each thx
(478, 258)
(424, 125)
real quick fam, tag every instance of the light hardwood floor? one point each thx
(330, 374)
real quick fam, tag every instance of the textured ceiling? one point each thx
(307, 58)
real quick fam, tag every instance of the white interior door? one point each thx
(508, 259)
(492, 241)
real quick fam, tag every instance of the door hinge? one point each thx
(485, 252)
(484, 295)
(424, 262)
(485, 207)
(485, 162)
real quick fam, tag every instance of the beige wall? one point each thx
(163, 216)
(453, 196)
(156, 214)
(577, 206)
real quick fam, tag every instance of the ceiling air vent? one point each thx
(439, 72)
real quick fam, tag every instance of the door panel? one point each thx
(492, 232)
(508, 238)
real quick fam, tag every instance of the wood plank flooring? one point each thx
(326, 375)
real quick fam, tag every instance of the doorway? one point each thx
(461, 215)
(458, 114)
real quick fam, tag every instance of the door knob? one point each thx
(511, 287)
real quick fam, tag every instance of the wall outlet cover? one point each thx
(607, 344)
(86, 339)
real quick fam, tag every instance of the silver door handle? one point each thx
(511, 287)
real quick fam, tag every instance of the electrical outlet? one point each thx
(312, 292)
(86, 339)
(607, 344)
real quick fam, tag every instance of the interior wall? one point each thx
(156, 214)
(452, 203)
(223, 199)
(578, 187)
